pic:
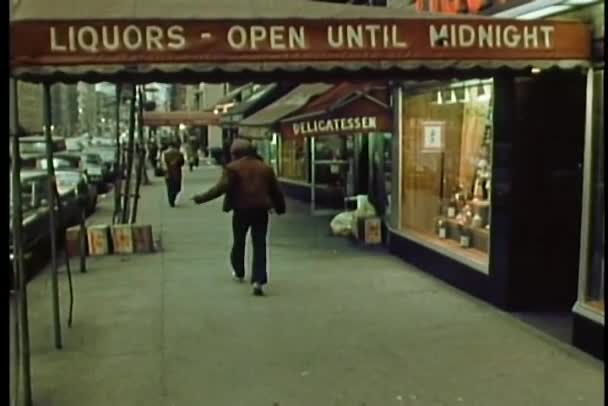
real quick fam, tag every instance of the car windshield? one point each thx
(67, 179)
(28, 147)
(108, 155)
(57, 163)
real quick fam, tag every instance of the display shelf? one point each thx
(472, 254)
(480, 237)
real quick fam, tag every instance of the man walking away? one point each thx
(172, 161)
(251, 190)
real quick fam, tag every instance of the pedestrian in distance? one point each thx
(251, 191)
(153, 153)
(172, 162)
(189, 149)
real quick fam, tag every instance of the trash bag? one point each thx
(364, 208)
(342, 224)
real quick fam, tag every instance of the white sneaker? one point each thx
(236, 278)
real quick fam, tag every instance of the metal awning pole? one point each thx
(130, 147)
(52, 215)
(118, 164)
(141, 167)
(22, 329)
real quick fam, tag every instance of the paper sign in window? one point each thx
(433, 136)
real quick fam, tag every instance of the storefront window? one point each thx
(273, 152)
(267, 150)
(595, 266)
(447, 144)
(294, 159)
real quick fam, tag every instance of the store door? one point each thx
(332, 176)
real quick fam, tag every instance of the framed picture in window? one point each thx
(433, 133)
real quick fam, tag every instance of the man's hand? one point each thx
(197, 199)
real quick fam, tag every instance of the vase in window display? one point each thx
(468, 215)
(477, 221)
(452, 207)
(465, 236)
(460, 197)
(482, 174)
(478, 190)
(442, 229)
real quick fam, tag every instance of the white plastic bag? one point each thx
(364, 208)
(342, 224)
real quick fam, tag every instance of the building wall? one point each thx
(64, 109)
(87, 107)
(210, 96)
(30, 107)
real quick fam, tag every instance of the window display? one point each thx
(294, 159)
(446, 184)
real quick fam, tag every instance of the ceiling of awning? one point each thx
(175, 118)
(212, 40)
(232, 97)
(284, 106)
(339, 96)
(257, 98)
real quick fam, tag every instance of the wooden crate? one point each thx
(99, 240)
(72, 241)
(143, 241)
(122, 238)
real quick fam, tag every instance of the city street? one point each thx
(340, 325)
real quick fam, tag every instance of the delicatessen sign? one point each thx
(337, 125)
(64, 42)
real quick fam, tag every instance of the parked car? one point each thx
(37, 144)
(100, 141)
(30, 160)
(89, 163)
(75, 144)
(108, 157)
(95, 169)
(73, 179)
(36, 232)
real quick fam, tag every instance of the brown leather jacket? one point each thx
(172, 161)
(248, 183)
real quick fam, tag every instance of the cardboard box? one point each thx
(143, 240)
(99, 240)
(72, 241)
(122, 238)
(368, 230)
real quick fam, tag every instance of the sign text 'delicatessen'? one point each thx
(332, 125)
(96, 42)
(335, 125)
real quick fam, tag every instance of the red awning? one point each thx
(175, 118)
(347, 108)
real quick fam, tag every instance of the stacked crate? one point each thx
(121, 239)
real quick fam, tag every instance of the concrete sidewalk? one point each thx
(340, 326)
